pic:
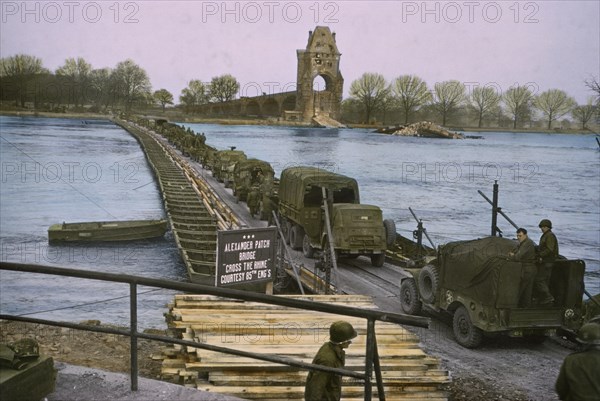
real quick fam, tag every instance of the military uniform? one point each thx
(325, 386)
(579, 377)
(548, 252)
(253, 200)
(525, 253)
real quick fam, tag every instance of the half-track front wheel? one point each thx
(465, 333)
(428, 283)
(409, 297)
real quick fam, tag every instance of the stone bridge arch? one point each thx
(321, 58)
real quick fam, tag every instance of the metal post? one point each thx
(495, 209)
(133, 335)
(419, 237)
(377, 366)
(370, 353)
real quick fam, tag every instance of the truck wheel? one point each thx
(409, 297)
(296, 237)
(428, 283)
(378, 259)
(307, 249)
(390, 232)
(465, 333)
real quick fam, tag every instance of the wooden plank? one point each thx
(409, 373)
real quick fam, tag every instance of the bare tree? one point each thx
(594, 85)
(76, 73)
(224, 88)
(371, 90)
(21, 69)
(195, 94)
(132, 82)
(485, 101)
(163, 97)
(411, 93)
(554, 104)
(518, 101)
(448, 96)
(584, 113)
(102, 83)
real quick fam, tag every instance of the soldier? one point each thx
(548, 252)
(579, 377)
(253, 200)
(325, 386)
(525, 253)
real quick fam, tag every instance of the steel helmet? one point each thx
(545, 223)
(341, 331)
(26, 348)
(589, 334)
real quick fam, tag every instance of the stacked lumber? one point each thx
(408, 373)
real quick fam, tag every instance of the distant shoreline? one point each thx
(268, 122)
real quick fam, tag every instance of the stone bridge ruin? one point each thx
(308, 104)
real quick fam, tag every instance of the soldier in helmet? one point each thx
(579, 377)
(548, 252)
(325, 386)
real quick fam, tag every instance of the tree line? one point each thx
(24, 80)
(75, 84)
(408, 98)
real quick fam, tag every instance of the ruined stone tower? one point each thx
(320, 58)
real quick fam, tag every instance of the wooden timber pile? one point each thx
(408, 373)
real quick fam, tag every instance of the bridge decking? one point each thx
(408, 373)
(196, 213)
(192, 223)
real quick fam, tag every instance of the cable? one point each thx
(89, 303)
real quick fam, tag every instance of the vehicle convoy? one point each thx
(248, 174)
(357, 229)
(476, 282)
(224, 163)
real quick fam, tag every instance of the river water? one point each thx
(56, 170)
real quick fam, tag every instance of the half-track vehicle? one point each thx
(248, 174)
(357, 229)
(223, 164)
(477, 283)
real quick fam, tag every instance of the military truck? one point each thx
(357, 229)
(477, 283)
(249, 173)
(223, 164)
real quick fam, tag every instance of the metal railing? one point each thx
(372, 357)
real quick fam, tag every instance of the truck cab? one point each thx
(357, 229)
(478, 284)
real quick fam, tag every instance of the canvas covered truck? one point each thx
(249, 173)
(357, 229)
(477, 283)
(224, 162)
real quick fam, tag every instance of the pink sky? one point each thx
(544, 44)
